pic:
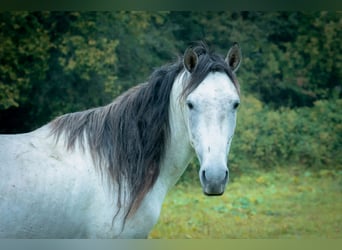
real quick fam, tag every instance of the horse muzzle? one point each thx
(214, 180)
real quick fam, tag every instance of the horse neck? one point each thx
(178, 151)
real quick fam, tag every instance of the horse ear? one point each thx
(233, 58)
(190, 60)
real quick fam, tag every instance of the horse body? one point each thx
(49, 189)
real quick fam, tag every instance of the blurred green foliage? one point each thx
(267, 138)
(57, 62)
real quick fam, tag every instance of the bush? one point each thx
(308, 136)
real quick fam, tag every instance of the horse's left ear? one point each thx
(190, 60)
(234, 56)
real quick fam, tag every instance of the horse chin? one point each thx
(211, 194)
(213, 191)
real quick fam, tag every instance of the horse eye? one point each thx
(236, 105)
(190, 105)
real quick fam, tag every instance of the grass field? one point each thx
(284, 203)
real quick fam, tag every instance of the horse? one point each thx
(104, 172)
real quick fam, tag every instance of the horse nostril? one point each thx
(205, 179)
(226, 177)
(203, 175)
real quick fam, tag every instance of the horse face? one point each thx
(211, 110)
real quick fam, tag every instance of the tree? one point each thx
(23, 56)
(300, 60)
(58, 62)
(52, 62)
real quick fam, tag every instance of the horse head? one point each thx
(210, 113)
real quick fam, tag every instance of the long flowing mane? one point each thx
(127, 138)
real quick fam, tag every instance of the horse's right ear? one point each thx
(233, 58)
(190, 60)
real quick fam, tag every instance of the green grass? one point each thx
(284, 203)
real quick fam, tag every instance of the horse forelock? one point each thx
(208, 61)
